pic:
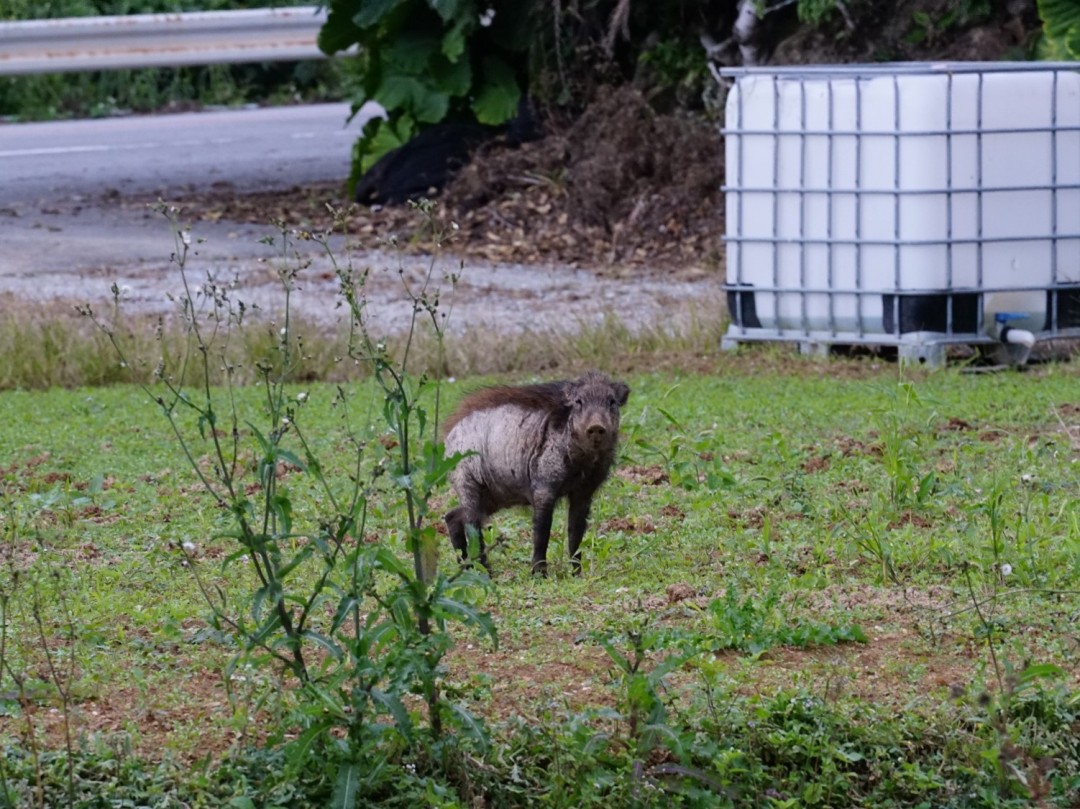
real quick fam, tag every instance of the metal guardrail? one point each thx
(160, 40)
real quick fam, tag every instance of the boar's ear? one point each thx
(570, 392)
(622, 393)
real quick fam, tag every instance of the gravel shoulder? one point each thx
(74, 253)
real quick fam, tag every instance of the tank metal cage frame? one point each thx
(882, 308)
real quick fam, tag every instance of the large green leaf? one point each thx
(497, 100)
(327, 643)
(380, 136)
(346, 787)
(410, 94)
(411, 53)
(299, 751)
(372, 12)
(453, 78)
(338, 32)
(445, 606)
(453, 43)
(396, 708)
(453, 10)
(470, 725)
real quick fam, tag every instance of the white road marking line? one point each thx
(62, 150)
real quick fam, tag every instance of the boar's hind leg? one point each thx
(577, 518)
(459, 525)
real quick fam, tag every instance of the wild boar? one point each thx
(533, 445)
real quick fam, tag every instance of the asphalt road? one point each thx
(62, 184)
(65, 161)
(66, 234)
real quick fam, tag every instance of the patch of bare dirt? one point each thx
(110, 717)
(630, 525)
(643, 475)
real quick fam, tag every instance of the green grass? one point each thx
(764, 517)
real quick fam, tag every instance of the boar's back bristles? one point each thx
(546, 397)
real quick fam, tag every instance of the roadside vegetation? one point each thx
(501, 63)
(93, 94)
(810, 583)
(50, 345)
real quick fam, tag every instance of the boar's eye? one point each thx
(611, 402)
(579, 402)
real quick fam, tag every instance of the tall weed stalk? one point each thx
(358, 630)
(39, 647)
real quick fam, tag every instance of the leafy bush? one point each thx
(425, 62)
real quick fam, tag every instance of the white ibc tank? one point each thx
(878, 201)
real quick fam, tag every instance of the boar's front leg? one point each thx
(577, 519)
(543, 509)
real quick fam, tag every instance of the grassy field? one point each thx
(807, 584)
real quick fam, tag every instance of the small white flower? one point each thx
(188, 546)
(185, 237)
(487, 18)
(1027, 477)
(301, 397)
(283, 331)
(1006, 569)
(285, 421)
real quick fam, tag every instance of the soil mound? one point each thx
(620, 185)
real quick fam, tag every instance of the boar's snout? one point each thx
(598, 430)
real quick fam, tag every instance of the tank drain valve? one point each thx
(1018, 342)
